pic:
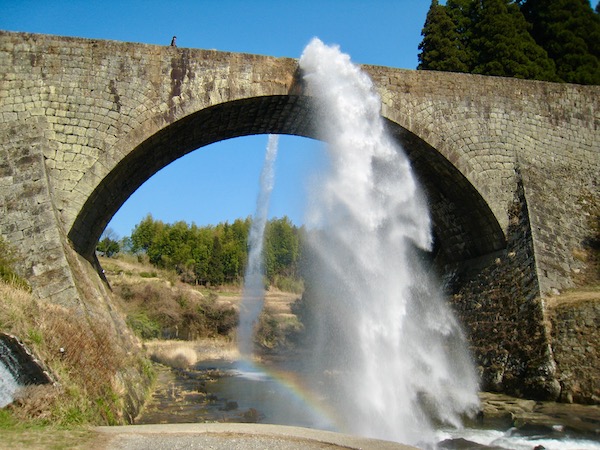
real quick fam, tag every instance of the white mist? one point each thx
(385, 343)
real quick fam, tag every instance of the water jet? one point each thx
(381, 322)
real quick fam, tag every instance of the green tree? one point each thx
(216, 254)
(442, 47)
(181, 252)
(281, 248)
(109, 243)
(126, 244)
(202, 239)
(215, 274)
(240, 229)
(144, 233)
(569, 30)
(161, 249)
(108, 247)
(504, 46)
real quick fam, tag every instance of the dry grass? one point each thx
(182, 354)
(574, 297)
(44, 439)
(125, 271)
(15, 305)
(174, 355)
(164, 307)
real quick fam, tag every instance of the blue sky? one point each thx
(220, 182)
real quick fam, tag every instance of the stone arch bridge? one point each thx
(510, 167)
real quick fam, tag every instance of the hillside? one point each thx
(159, 305)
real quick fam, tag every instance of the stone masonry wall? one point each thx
(96, 102)
(575, 331)
(490, 127)
(72, 109)
(504, 318)
(27, 215)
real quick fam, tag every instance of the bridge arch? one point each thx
(463, 222)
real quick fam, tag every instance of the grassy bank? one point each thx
(55, 416)
(90, 380)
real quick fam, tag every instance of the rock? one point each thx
(529, 417)
(464, 444)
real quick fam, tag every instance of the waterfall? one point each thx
(253, 296)
(8, 372)
(385, 343)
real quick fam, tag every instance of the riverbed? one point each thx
(226, 390)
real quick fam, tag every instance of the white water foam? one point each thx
(8, 386)
(384, 334)
(511, 441)
(253, 296)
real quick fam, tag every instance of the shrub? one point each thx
(289, 284)
(143, 326)
(276, 332)
(157, 310)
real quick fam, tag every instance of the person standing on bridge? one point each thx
(174, 41)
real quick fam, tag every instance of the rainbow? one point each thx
(299, 394)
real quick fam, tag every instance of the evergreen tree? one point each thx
(504, 46)
(108, 247)
(201, 251)
(441, 47)
(464, 16)
(569, 30)
(214, 254)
